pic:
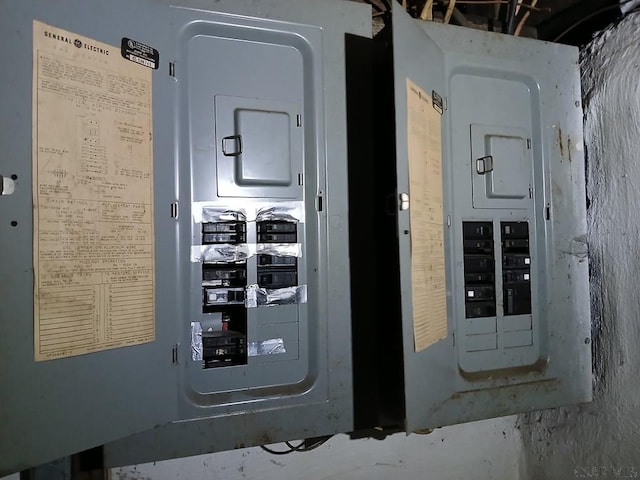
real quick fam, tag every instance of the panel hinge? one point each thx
(174, 354)
(453, 336)
(319, 205)
(403, 201)
(439, 104)
(172, 69)
(174, 210)
(548, 212)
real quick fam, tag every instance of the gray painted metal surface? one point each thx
(53, 408)
(496, 85)
(108, 395)
(309, 394)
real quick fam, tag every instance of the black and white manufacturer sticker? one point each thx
(140, 53)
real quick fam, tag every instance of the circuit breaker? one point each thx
(480, 227)
(178, 185)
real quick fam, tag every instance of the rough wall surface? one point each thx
(490, 449)
(602, 439)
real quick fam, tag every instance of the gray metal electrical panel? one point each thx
(518, 324)
(185, 248)
(174, 226)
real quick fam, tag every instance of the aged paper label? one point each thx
(93, 251)
(429, 288)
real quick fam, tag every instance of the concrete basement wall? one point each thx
(602, 439)
(489, 449)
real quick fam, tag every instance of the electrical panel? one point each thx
(194, 157)
(510, 331)
(208, 243)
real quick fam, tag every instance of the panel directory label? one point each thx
(429, 289)
(93, 237)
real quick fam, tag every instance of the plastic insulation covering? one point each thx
(208, 213)
(263, 297)
(284, 211)
(230, 253)
(280, 249)
(290, 212)
(220, 253)
(273, 346)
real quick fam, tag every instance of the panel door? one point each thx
(90, 358)
(518, 326)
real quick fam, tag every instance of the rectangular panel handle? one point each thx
(232, 146)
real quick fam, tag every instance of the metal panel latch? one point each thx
(232, 146)
(484, 165)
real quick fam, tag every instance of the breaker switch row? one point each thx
(479, 269)
(277, 271)
(516, 268)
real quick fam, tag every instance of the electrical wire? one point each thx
(590, 16)
(509, 25)
(524, 19)
(302, 447)
(502, 2)
(276, 452)
(375, 6)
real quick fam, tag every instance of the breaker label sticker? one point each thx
(140, 53)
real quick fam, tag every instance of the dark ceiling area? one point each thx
(571, 22)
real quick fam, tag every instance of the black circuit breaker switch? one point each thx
(479, 292)
(223, 348)
(223, 296)
(276, 261)
(224, 232)
(480, 309)
(477, 230)
(224, 276)
(273, 278)
(277, 232)
(479, 264)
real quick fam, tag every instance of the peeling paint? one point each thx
(560, 145)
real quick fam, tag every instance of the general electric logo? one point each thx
(77, 43)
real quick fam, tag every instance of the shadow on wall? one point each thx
(601, 440)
